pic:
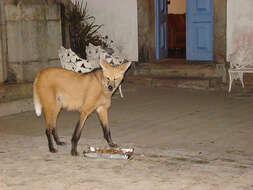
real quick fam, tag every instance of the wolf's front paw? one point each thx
(113, 145)
(74, 152)
(60, 143)
(52, 150)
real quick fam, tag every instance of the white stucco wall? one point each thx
(177, 6)
(119, 18)
(239, 24)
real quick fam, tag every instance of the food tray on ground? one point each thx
(116, 153)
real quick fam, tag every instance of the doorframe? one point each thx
(156, 30)
(3, 44)
(160, 19)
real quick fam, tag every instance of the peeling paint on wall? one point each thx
(242, 37)
(34, 37)
(239, 25)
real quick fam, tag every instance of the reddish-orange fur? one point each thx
(56, 88)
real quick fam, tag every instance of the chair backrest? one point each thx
(241, 59)
(95, 53)
(71, 61)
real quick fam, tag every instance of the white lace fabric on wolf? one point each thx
(71, 61)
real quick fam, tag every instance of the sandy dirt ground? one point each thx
(183, 140)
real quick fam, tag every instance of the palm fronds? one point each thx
(83, 29)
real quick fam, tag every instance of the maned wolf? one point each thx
(56, 88)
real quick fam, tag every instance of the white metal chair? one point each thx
(240, 62)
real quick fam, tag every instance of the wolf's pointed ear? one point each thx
(104, 64)
(124, 66)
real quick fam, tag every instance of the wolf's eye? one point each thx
(107, 78)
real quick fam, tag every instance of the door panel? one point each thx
(199, 30)
(161, 29)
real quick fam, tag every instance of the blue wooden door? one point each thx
(199, 30)
(161, 11)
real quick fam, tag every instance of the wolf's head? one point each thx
(113, 75)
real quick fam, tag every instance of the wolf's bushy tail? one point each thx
(36, 100)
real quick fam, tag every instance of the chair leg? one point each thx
(120, 91)
(241, 78)
(230, 81)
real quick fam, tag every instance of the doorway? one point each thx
(187, 31)
(177, 29)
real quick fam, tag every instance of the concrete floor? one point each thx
(183, 139)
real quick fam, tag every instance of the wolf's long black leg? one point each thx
(56, 137)
(50, 143)
(103, 117)
(76, 136)
(79, 127)
(107, 136)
